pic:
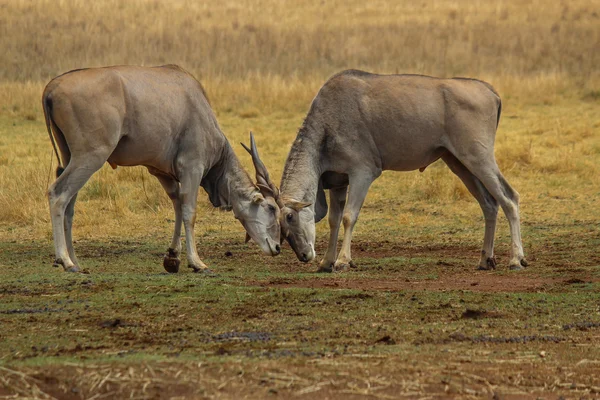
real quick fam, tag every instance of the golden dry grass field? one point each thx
(128, 330)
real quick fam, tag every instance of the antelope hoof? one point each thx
(519, 265)
(171, 264)
(325, 267)
(515, 267)
(195, 269)
(171, 261)
(60, 263)
(490, 264)
(341, 266)
(328, 269)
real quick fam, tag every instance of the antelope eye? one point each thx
(289, 217)
(271, 208)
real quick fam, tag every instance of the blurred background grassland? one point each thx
(291, 47)
(263, 61)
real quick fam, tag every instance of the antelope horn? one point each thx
(263, 180)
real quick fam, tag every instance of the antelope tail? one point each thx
(47, 105)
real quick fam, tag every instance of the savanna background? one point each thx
(415, 319)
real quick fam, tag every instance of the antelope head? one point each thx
(260, 216)
(298, 228)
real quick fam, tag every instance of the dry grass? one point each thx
(338, 378)
(234, 38)
(263, 61)
(256, 51)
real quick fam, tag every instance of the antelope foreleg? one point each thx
(359, 186)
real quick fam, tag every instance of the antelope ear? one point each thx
(258, 198)
(248, 238)
(297, 205)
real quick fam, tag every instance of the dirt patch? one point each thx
(32, 311)
(387, 248)
(458, 255)
(242, 336)
(480, 314)
(387, 339)
(575, 281)
(474, 281)
(459, 337)
(115, 323)
(582, 326)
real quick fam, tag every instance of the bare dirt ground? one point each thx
(449, 274)
(446, 282)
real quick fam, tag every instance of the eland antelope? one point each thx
(159, 118)
(361, 124)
